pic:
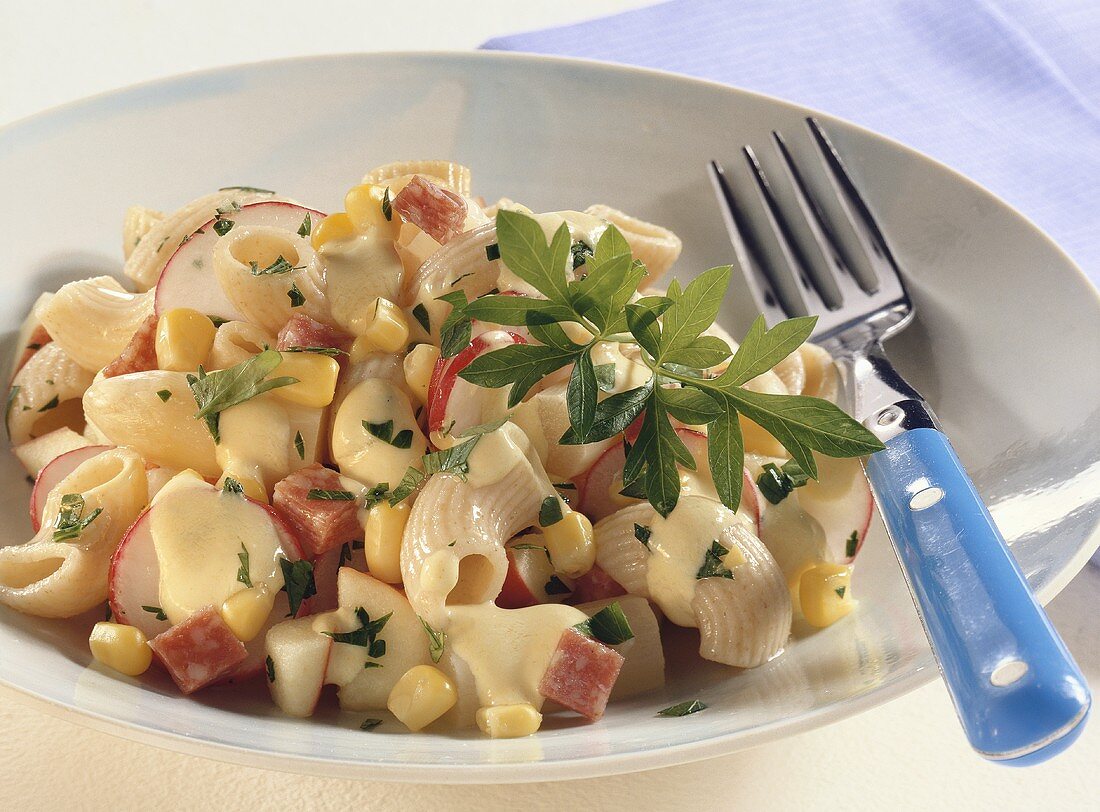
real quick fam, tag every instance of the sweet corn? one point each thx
(825, 593)
(382, 534)
(337, 226)
(316, 376)
(246, 612)
(184, 339)
(121, 647)
(421, 696)
(570, 544)
(253, 488)
(509, 721)
(366, 211)
(419, 365)
(794, 584)
(383, 325)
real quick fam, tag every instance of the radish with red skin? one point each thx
(188, 279)
(443, 405)
(529, 571)
(53, 473)
(841, 501)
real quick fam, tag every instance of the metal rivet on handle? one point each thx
(924, 499)
(889, 416)
(1008, 672)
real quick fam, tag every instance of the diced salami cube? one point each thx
(581, 674)
(39, 338)
(302, 331)
(199, 651)
(436, 211)
(139, 355)
(320, 524)
(595, 585)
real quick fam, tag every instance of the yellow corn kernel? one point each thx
(794, 584)
(184, 339)
(337, 226)
(421, 696)
(121, 647)
(246, 612)
(253, 488)
(382, 534)
(509, 721)
(383, 325)
(366, 211)
(570, 544)
(316, 376)
(825, 592)
(419, 365)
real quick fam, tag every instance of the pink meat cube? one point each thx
(319, 524)
(302, 331)
(595, 585)
(581, 674)
(436, 211)
(199, 651)
(139, 355)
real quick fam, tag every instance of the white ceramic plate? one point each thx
(1005, 347)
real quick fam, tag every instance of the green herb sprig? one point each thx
(217, 391)
(669, 330)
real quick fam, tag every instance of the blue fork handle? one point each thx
(1018, 693)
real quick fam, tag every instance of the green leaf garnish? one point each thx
(51, 404)
(297, 582)
(221, 226)
(670, 330)
(642, 533)
(13, 393)
(683, 709)
(242, 573)
(384, 432)
(156, 611)
(852, 544)
(295, 296)
(164, 394)
(329, 352)
(300, 445)
(712, 563)
(556, 586)
(550, 511)
(454, 334)
(366, 635)
(279, 266)
(246, 189)
(321, 495)
(231, 485)
(840, 590)
(420, 313)
(69, 525)
(609, 626)
(370, 724)
(387, 205)
(270, 663)
(777, 483)
(436, 641)
(306, 227)
(217, 391)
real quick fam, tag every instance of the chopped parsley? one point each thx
(852, 544)
(246, 189)
(231, 485)
(609, 626)
(642, 533)
(306, 227)
(300, 445)
(164, 394)
(436, 641)
(295, 296)
(379, 493)
(297, 582)
(556, 586)
(550, 511)
(217, 391)
(51, 405)
(492, 251)
(581, 253)
(712, 563)
(320, 495)
(69, 525)
(683, 709)
(370, 724)
(384, 432)
(330, 352)
(222, 226)
(156, 611)
(420, 313)
(777, 483)
(840, 590)
(242, 573)
(12, 394)
(279, 266)
(366, 635)
(270, 663)
(387, 205)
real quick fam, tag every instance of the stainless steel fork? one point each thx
(1017, 691)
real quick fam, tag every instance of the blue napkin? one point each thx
(1005, 91)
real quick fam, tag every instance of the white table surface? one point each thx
(908, 754)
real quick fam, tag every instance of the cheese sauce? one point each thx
(357, 271)
(678, 546)
(198, 533)
(360, 454)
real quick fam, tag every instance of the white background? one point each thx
(909, 754)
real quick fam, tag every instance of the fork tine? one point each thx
(764, 295)
(811, 301)
(877, 258)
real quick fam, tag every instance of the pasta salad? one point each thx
(463, 461)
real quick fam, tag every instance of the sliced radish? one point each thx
(134, 580)
(53, 473)
(188, 279)
(841, 502)
(530, 579)
(452, 399)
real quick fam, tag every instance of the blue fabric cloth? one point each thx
(1005, 91)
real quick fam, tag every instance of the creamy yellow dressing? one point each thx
(508, 650)
(359, 453)
(498, 453)
(678, 546)
(255, 438)
(357, 271)
(197, 533)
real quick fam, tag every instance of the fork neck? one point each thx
(879, 397)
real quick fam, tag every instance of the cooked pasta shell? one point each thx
(453, 176)
(462, 264)
(94, 319)
(265, 299)
(362, 455)
(357, 272)
(128, 411)
(236, 342)
(44, 394)
(138, 222)
(64, 578)
(619, 552)
(149, 256)
(654, 245)
(744, 621)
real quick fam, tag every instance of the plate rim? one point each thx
(527, 771)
